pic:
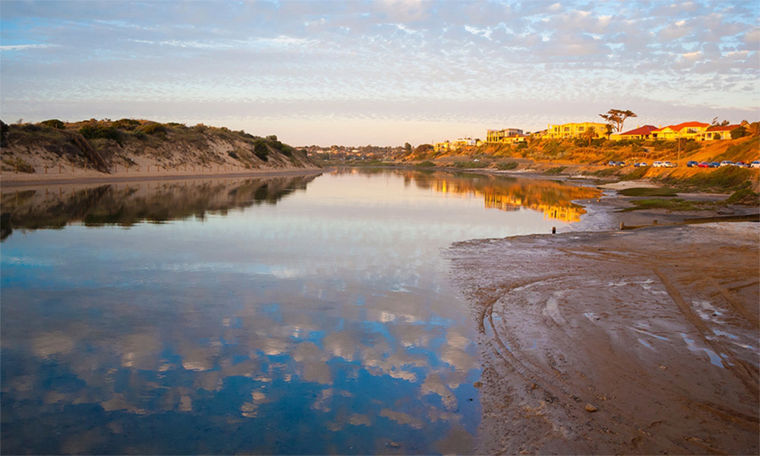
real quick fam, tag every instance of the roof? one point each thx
(723, 127)
(683, 125)
(645, 130)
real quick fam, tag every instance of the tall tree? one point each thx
(616, 117)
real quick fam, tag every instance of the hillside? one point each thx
(125, 145)
(576, 157)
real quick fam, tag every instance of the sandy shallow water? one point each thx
(641, 341)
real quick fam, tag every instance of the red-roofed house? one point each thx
(720, 132)
(644, 132)
(688, 130)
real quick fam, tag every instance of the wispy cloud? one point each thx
(457, 57)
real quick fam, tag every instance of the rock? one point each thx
(477, 384)
(590, 408)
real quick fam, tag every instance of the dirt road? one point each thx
(640, 341)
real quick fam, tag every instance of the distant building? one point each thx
(498, 136)
(719, 132)
(443, 147)
(575, 130)
(686, 130)
(644, 132)
(462, 142)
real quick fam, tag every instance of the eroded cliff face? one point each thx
(111, 147)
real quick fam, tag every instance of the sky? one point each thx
(380, 72)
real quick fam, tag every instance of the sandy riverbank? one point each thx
(82, 176)
(614, 342)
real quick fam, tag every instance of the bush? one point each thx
(738, 133)
(126, 124)
(98, 131)
(506, 165)
(261, 150)
(53, 123)
(744, 195)
(20, 165)
(555, 171)
(426, 164)
(153, 128)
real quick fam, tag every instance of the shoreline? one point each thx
(94, 177)
(608, 342)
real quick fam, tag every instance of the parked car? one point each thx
(640, 164)
(714, 164)
(741, 164)
(726, 163)
(657, 164)
(755, 164)
(703, 165)
(620, 163)
(668, 164)
(692, 163)
(611, 163)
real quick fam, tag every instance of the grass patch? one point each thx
(744, 196)
(506, 165)
(673, 204)
(636, 174)
(425, 164)
(643, 191)
(604, 172)
(725, 179)
(554, 171)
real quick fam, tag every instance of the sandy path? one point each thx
(655, 330)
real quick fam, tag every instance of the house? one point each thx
(443, 147)
(498, 136)
(576, 130)
(644, 132)
(686, 130)
(462, 142)
(719, 132)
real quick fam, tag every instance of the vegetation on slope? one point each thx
(106, 144)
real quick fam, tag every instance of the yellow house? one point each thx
(575, 130)
(686, 130)
(719, 132)
(443, 147)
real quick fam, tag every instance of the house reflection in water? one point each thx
(553, 199)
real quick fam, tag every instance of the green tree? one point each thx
(407, 148)
(738, 132)
(589, 134)
(616, 118)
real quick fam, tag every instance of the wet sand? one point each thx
(613, 342)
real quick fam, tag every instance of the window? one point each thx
(581, 128)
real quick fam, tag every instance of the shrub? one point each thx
(126, 124)
(261, 150)
(98, 131)
(20, 165)
(738, 133)
(506, 165)
(53, 123)
(744, 195)
(555, 171)
(426, 164)
(153, 128)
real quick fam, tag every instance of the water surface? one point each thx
(278, 315)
